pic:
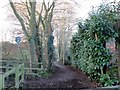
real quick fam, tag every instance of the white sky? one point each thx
(5, 26)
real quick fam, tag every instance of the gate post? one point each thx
(1, 81)
(17, 77)
(22, 72)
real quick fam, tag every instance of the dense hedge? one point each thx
(88, 44)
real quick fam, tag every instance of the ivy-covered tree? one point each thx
(35, 19)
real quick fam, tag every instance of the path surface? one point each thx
(63, 77)
(64, 72)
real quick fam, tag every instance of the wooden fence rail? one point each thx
(18, 71)
(19, 68)
(9, 64)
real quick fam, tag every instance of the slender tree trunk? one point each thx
(32, 52)
(33, 30)
(105, 66)
(46, 53)
(50, 50)
(38, 47)
(104, 44)
(59, 49)
(63, 59)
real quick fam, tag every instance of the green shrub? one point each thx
(106, 80)
(44, 73)
(88, 45)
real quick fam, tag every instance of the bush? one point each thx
(88, 49)
(106, 80)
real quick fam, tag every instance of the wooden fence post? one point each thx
(22, 72)
(7, 69)
(1, 81)
(17, 77)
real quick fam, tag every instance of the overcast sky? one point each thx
(83, 7)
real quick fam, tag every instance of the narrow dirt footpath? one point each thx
(64, 73)
(63, 77)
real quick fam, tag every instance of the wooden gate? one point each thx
(18, 70)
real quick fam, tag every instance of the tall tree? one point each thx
(32, 24)
(63, 21)
(48, 32)
(36, 24)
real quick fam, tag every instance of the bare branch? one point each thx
(28, 8)
(19, 18)
(76, 3)
(44, 6)
(40, 16)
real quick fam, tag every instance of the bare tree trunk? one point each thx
(32, 22)
(46, 52)
(47, 28)
(59, 49)
(38, 47)
(32, 52)
(63, 59)
(45, 18)
(50, 50)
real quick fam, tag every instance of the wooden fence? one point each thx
(17, 69)
(28, 66)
